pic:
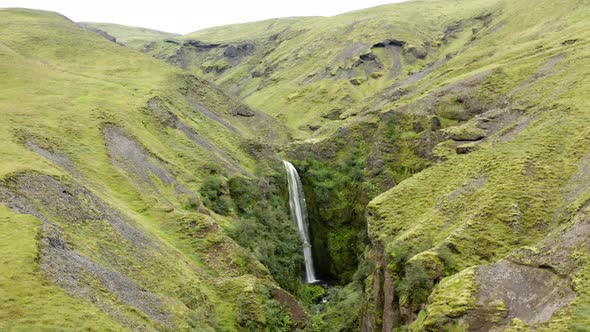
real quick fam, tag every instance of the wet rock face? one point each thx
(298, 313)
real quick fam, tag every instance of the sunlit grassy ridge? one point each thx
(306, 68)
(133, 37)
(67, 94)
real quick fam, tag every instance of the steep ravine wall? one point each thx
(342, 173)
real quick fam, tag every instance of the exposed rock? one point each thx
(368, 57)
(417, 53)
(158, 108)
(544, 72)
(333, 114)
(216, 68)
(389, 42)
(99, 32)
(397, 94)
(296, 311)
(357, 81)
(467, 148)
(141, 165)
(507, 290)
(72, 204)
(56, 203)
(452, 30)
(376, 75)
(465, 133)
(486, 19)
(555, 252)
(242, 111)
(150, 47)
(569, 42)
(263, 73)
(201, 45)
(435, 124)
(314, 127)
(240, 50)
(162, 112)
(53, 156)
(172, 41)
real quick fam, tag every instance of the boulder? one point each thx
(242, 111)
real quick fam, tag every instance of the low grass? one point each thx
(134, 37)
(61, 85)
(29, 300)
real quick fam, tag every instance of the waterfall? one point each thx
(299, 217)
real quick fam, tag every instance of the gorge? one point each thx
(428, 160)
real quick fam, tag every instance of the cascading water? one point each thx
(299, 217)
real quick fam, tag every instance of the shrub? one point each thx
(310, 294)
(415, 286)
(265, 229)
(214, 194)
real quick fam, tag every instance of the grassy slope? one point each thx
(487, 203)
(506, 194)
(133, 37)
(60, 85)
(308, 56)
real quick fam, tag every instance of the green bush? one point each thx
(449, 262)
(416, 285)
(310, 294)
(214, 194)
(276, 316)
(244, 193)
(264, 227)
(342, 312)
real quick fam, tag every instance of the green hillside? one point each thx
(443, 147)
(310, 71)
(104, 151)
(133, 37)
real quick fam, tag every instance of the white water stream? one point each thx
(299, 217)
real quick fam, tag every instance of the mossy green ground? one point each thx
(295, 74)
(61, 84)
(134, 37)
(506, 194)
